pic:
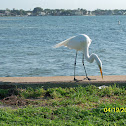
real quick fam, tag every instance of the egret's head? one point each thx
(100, 68)
(99, 63)
(101, 71)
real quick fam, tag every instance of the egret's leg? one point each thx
(85, 68)
(75, 66)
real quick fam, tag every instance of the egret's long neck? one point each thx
(93, 57)
(90, 58)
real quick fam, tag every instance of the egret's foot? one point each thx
(87, 78)
(75, 80)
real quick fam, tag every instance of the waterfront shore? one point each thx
(60, 79)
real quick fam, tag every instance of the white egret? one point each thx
(81, 43)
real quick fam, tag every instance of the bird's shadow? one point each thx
(89, 79)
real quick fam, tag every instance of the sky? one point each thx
(63, 4)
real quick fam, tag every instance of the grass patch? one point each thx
(73, 106)
(7, 92)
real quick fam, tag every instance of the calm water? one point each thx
(26, 45)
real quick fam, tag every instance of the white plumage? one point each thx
(75, 42)
(81, 43)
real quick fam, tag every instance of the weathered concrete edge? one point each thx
(6, 85)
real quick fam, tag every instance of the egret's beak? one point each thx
(101, 72)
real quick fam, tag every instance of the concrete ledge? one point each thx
(54, 79)
(63, 81)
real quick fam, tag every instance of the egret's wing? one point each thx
(79, 42)
(63, 43)
(75, 42)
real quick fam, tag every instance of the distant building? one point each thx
(89, 13)
(78, 12)
(120, 12)
(42, 14)
(1, 14)
(7, 13)
(29, 14)
(124, 13)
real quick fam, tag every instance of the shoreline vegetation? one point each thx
(38, 11)
(58, 106)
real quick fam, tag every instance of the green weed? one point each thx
(77, 106)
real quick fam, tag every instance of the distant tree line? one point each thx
(38, 11)
(13, 12)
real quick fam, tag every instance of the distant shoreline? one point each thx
(38, 11)
(64, 16)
